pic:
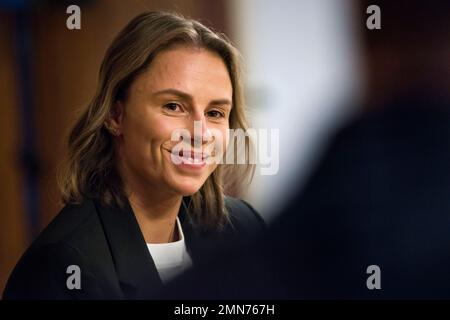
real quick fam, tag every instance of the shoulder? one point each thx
(72, 223)
(243, 216)
(41, 272)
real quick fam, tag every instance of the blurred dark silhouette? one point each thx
(380, 194)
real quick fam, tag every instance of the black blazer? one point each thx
(108, 246)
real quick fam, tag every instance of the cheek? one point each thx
(149, 129)
(224, 137)
(221, 138)
(163, 128)
(142, 138)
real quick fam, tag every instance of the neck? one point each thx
(156, 219)
(155, 209)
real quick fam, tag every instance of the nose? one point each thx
(200, 132)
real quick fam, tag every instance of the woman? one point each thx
(143, 202)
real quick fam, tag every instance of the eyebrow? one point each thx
(187, 96)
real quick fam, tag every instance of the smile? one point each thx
(189, 160)
(193, 157)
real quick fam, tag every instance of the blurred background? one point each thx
(310, 66)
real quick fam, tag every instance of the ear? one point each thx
(114, 123)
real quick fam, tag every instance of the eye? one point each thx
(215, 114)
(172, 107)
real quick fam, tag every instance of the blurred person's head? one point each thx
(161, 73)
(411, 51)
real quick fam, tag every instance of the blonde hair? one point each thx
(90, 170)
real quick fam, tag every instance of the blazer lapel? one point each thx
(190, 231)
(199, 242)
(136, 271)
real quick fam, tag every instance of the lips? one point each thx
(193, 159)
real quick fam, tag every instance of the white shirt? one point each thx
(171, 258)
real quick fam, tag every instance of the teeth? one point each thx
(191, 158)
(192, 161)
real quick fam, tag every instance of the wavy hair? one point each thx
(90, 168)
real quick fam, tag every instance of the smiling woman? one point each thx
(134, 218)
(181, 85)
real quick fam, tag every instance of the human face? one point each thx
(182, 85)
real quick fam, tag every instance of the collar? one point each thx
(134, 265)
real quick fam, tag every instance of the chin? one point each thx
(187, 186)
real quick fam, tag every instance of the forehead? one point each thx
(189, 69)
